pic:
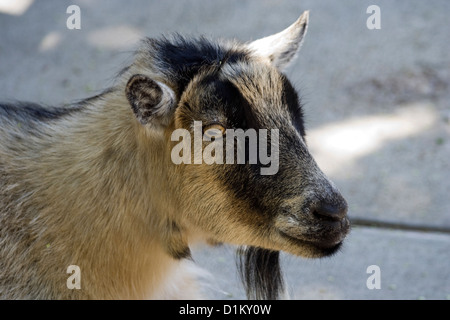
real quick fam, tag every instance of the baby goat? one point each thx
(95, 184)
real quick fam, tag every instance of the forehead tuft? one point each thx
(178, 59)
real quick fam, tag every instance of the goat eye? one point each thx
(214, 130)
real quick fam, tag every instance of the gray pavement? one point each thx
(376, 103)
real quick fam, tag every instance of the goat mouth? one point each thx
(314, 249)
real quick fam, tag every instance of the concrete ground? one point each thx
(376, 103)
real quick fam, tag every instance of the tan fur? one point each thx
(115, 173)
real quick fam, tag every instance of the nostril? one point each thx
(330, 212)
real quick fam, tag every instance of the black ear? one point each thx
(151, 100)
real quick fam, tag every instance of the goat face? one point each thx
(206, 87)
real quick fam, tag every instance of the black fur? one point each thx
(23, 111)
(292, 100)
(260, 273)
(182, 58)
(175, 244)
(185, 253)
(228, 101)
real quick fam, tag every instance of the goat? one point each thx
(93, 184)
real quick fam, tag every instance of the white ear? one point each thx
(280, 48)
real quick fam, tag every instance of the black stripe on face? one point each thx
(243, 180)
(291, 99)
(235, 107)
(220, 101)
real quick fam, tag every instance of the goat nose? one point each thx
(328, 211)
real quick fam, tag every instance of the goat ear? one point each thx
(281, 48)
(151, 100)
